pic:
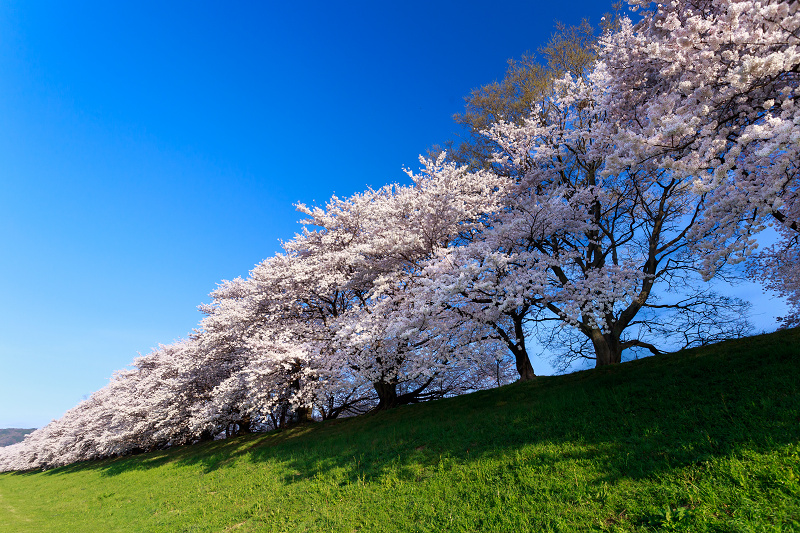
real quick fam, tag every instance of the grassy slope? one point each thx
(703, 440)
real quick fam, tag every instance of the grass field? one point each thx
(703, 440)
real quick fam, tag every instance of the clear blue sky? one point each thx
(149, 151)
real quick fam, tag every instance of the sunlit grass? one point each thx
(703, 440)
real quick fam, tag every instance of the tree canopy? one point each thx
(610, 186)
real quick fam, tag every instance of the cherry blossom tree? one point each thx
(267, 329)
(576, 244)
(375, 242)
(309, 328)
(144, 407)
(707, 89)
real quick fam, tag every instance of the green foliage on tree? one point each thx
(526, 85)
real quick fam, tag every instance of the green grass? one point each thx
(703, 440)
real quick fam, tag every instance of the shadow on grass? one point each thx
(634, 420)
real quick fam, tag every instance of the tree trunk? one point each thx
(284, 412)
(387, 395)
(519, 350)
(328, 413)
(607, 349)
(303, 414)
(245, 424)
(524, 366)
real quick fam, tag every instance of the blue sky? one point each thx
(150, 150)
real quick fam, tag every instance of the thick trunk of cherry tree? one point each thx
(329, 412)
(387, 395)
(287, 416)
(284, 411)
(303, 414)
(524, 366)
(607, 349)
(245, 424)
(516, 343)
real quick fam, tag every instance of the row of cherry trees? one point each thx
(603, 212)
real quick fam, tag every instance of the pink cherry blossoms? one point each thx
(609, 208)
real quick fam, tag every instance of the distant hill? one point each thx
(13, 435)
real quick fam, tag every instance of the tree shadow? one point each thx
(636, 420)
